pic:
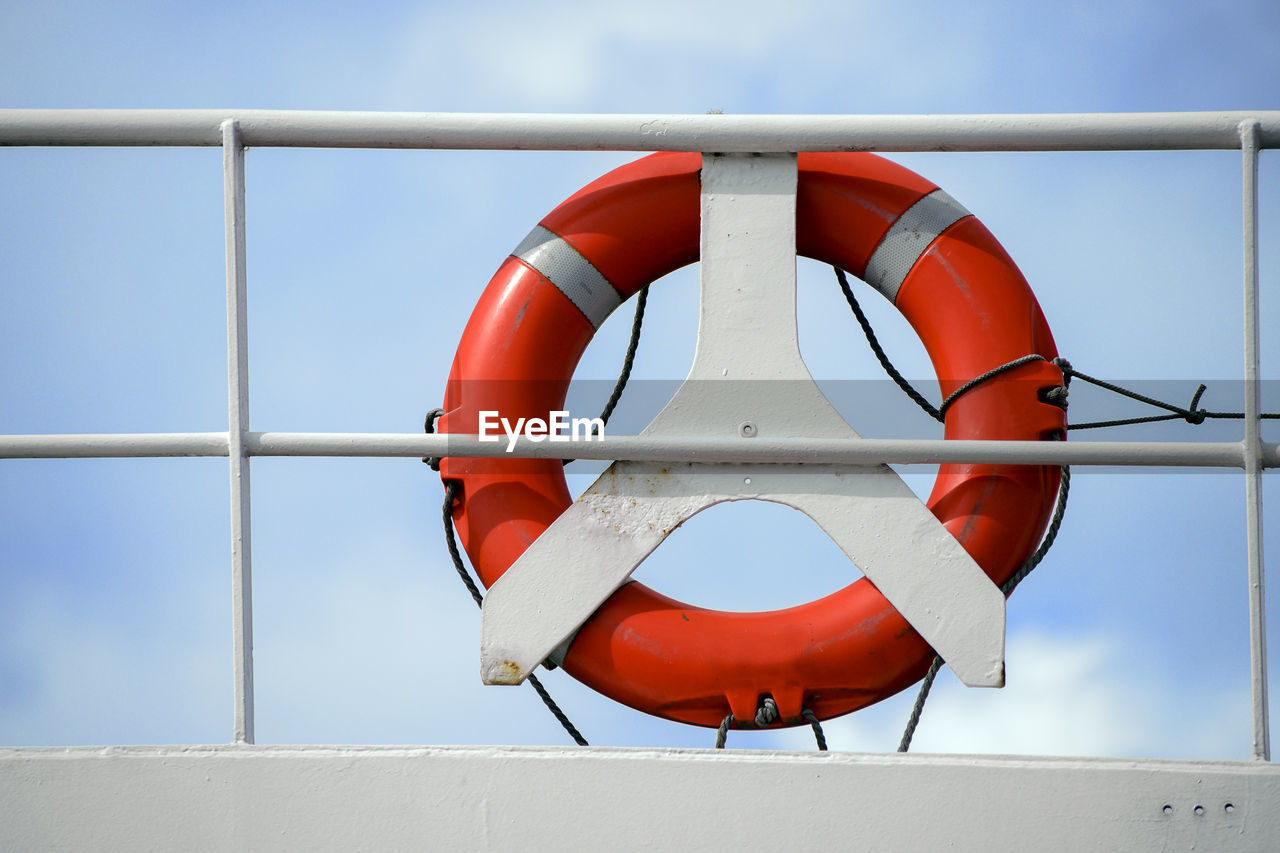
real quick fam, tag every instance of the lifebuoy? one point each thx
(944, 271)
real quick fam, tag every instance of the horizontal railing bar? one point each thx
(574, 132)
(1222, 454)
(113, 445)
(758, 449)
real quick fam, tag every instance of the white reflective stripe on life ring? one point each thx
(571, 273)
(908, 238)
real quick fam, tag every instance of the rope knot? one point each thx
(429, 427)
(1196, 416)
(767, 713)
(1055, 396)
(1067, 372)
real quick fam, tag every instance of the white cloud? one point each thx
(617, 57)
(1064, 697)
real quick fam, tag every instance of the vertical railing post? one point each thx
(1249, 144)
(237, 426)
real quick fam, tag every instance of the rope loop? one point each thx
(429, 427)
(1196, 416)
(1058, 394)
(767, 713)
(1055, 396)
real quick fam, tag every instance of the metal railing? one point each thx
(1248, 132)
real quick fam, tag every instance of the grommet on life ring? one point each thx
(937, 263)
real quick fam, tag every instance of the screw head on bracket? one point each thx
(747, 429)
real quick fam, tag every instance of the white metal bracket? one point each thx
(748, 379)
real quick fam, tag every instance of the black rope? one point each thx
(1149, 419)
(560, 715)
(897, 377)
(986, 377)
(429, 427)
(1055, 396)
(637, 322)
(914, 720)
(450, 495)
(766, 715)
(1051, 533)
(817, 729)
(1191, 414)
(722, 733)
(452, 487)
(642, 297)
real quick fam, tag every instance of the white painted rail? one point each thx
(642, 448)
(573, 132)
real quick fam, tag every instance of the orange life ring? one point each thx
(948, 276)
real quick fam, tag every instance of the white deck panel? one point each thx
(242, 797)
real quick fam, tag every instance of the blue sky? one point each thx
(364, 265)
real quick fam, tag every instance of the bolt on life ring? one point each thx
(939, 265)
